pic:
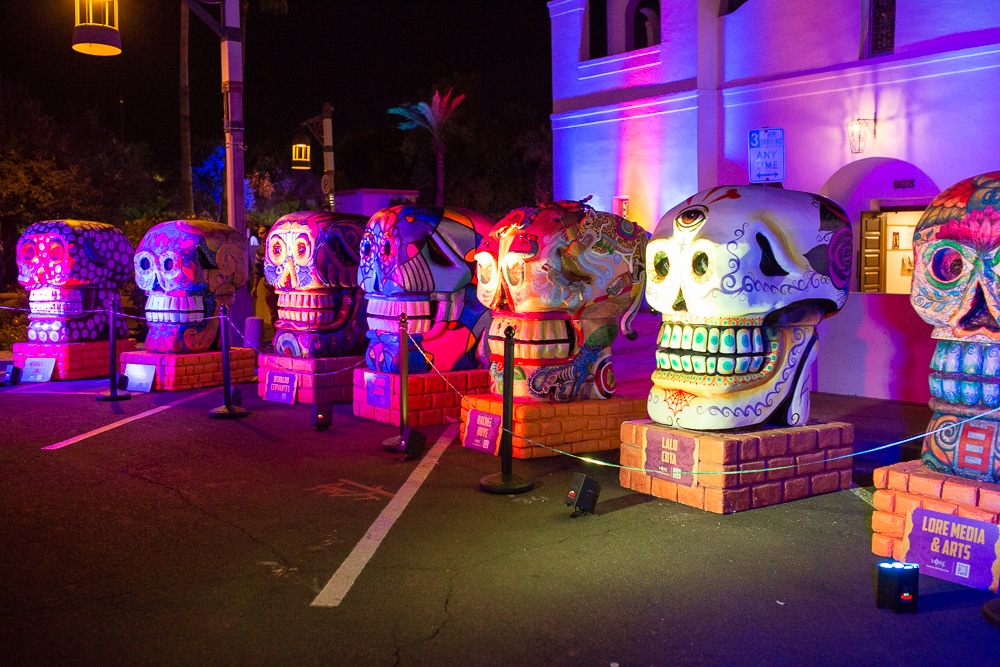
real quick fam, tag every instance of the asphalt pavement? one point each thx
(143, 532)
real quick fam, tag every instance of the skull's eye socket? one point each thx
(301, 249)
(28, 252)
(386, 248)
(56, 251)
(145, 264)
(365, 247)
(485, 272)
(276, 250)
(690, 217)
(947, 264)
(699, 263)
(661, 265)
(515, 273)
(168, 264)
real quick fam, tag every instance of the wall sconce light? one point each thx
(857, 130)
(96, 32)
(301, 151)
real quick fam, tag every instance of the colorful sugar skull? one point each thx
(567, 278)
(188, 269)
(956, 253)
(742, 275)
(311, 259)
(73, 270)
(419, 262)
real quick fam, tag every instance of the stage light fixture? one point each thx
(582, 494)
(897, 586)
(322, 418)
(412, 444)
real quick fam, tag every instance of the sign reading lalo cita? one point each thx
(953, 548)
(766, 155)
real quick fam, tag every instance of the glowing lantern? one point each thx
(301, 151)
(96, 32)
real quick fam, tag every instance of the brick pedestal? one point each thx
(175, 372)
(729, 468)
(577, 427)
(432, 399)
(902, 487)
(74, 361)
(329, 380)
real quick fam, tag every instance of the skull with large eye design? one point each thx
(567, 279)
(73, 269)
(311, 259)
(955, 288)
(742, 275)
(188, 268)
(419, 262)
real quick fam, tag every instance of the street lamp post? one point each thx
(321, 129)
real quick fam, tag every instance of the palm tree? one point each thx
(432, 117)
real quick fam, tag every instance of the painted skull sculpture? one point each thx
(742, 275)
(419, 262)
(567, 278)
(955, 288)
(311, 259)
(188, 268)
(73, 270)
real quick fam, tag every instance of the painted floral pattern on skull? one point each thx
(956, 259)
(567, 278)
(742, 275)
(188, 268)
(73, 270)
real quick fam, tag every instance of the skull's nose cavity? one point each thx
(979, 316)
(679, 304)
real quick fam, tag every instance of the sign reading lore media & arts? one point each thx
(377, 390)
(38, 369)
(280, 387)
(952, 547)
(671, 456)
(482, 432)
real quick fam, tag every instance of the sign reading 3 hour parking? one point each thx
(766, 157)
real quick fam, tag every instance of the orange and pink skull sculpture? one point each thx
(567, 278)
(73, 270)
(311, 259)
(419, 262)
(188, 268)
(956, 261)
(742, 275)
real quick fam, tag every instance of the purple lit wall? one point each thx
(657, 124)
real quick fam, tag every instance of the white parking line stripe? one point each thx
(339, 585)
(122, 422)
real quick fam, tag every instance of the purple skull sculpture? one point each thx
(188, 269)
(73, 270)
(311, 259)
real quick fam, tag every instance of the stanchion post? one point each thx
(506, 481)
(112, 394)
(227, 410)
(404, 377)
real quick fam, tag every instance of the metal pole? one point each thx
(404, 375)
(505, 481)
(227, 410)
(112, 394)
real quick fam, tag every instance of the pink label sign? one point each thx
(377, 390)
(483, 432)
(671, 456)
(952, 547)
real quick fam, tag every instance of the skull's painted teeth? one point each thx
(163, 308)
(728, 340)
(966, 373)
(45, 302)
(535, 339)
(394, 309)
(316, 300)
(740, 353)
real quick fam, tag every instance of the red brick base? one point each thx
(433, 398)
(74, 361)
(742, 471)
(576, 427)
(329, 380)
(175, 372)
(902, 487)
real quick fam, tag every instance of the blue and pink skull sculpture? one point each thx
(311, 259)
(742, 276)
(567, 278)
(955, 288)
(419, 262)
(73, 270)
(188, 268)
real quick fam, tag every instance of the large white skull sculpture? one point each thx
(742, 275)
(311, 259)
(73, 270)
(956, 260)
(419, 262)
(566, 278)
(188, 268)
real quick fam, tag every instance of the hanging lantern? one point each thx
(96, 32)
(301, 151)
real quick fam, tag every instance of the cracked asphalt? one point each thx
(175, 539)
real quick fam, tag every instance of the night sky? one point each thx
(362, 57)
